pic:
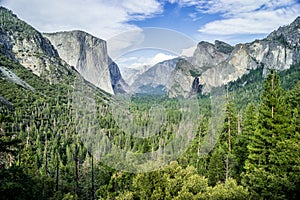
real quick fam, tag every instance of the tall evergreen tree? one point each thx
(243, 140)
(223, 159)
(266, 167)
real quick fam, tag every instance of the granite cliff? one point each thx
(214, 65)
(88, 54)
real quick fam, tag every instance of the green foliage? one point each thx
(216, 167)
(270, 160)
(223, 162)
(175, 182)
(194, 73)
(16, 184)
(42, 156)
(248, 128)
(228, 190)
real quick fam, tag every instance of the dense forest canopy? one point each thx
(256, 155)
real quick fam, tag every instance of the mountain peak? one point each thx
(296, 21)
(7, 11)
(288, 35)
(75, 33)
(223, 47)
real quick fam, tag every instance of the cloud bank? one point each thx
(101, 18)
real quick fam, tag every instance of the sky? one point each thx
(125, 21)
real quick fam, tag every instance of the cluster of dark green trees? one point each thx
(262, 153)
(42, 156)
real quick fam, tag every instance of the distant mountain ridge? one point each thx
(214, 65)
(154, 79)
(279, 50)
(56, 56)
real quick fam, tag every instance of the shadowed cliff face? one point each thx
(86, 53)
(118, 84)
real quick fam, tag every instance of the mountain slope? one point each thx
(22, 43)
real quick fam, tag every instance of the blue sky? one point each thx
(232, 21)
(177, 18)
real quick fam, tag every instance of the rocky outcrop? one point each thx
(235, 66)
(131, 74)
(280, 49)
(208, 55)
(182, 79)
(22, 43)
(188, 72)
(86, 53)
(220, 63)
(9, 75)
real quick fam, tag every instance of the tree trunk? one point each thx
(229, 134)
(93, 181)
(57, 174)
(227, 167)
(76, 169)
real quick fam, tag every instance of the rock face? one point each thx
(155, 79)
(187, 79)
(7, 74)
(182, 79)
(219, 64)
(54, 56)
(24, 44)
(87, 54)
(236, 65)
(208, 55)
(118, 84)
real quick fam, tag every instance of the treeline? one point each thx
(42, 155)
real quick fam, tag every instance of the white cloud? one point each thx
(243, 16)
(124, 42)
(137, 62)
(188, 52)
(248, 17)
(160, 57)
(145, 8)
(101, 18)
(235, 7)
(185, 2)
(158, 39)
(195, 16)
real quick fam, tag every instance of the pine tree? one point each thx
(266, 166)
(8, 144)
(248, 129)
(216, 167)
(223, 158)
